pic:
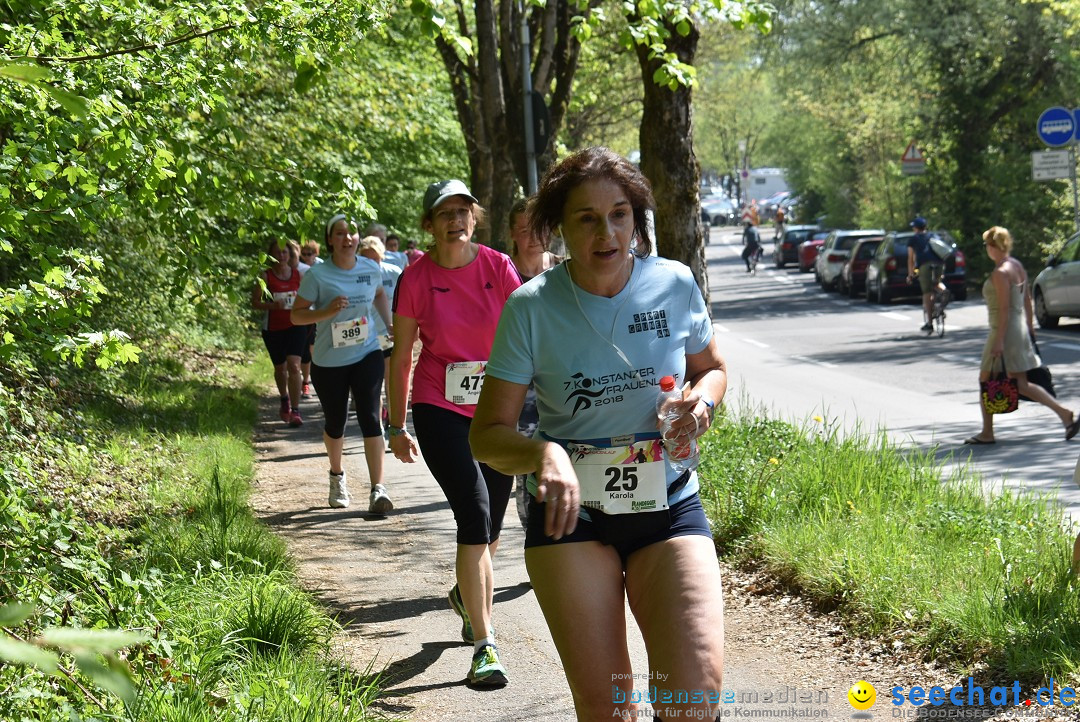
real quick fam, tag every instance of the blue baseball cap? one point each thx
(919, 222)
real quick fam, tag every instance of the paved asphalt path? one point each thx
(385, 580)
(795, 351)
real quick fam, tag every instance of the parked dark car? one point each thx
(786, 249)
(1057, 287)
(790, 205)
(886, 276)
(852, 279)
(808, 250)
(769, 205)
(718, 211)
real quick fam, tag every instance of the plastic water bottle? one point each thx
(680, 451)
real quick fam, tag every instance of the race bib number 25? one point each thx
(621, 480)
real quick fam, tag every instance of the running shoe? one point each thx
(380, 503)
(305, 392)
(927, 327)
(459, 606)
(339, 493)
(294, 419)
(486, 669)
(283, 411)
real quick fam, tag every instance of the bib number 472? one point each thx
(471, 383)
(621, 478)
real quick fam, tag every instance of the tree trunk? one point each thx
(668, 161)
(488, 96)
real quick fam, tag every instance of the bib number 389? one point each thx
(350, 333)
(464, 381)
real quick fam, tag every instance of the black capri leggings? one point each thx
(333, 384)
(305, 357)
(477, 493)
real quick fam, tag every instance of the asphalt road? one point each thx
(795, 351)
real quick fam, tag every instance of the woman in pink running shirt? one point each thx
(452, 298)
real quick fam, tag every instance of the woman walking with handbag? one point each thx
(1008, 303)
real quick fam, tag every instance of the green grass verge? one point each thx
(860, 525)
(133, 513)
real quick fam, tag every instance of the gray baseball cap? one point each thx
(438, 192)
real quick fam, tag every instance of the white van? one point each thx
(764, 182)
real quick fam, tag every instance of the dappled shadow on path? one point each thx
(397, 609)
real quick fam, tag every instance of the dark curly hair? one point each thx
(546, 209)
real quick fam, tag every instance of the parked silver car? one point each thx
(834, 254)
(1057, 288)
(718, 211)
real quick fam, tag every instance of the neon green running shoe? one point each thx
(486, 669)
(459, 606)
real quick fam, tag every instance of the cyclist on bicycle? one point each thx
(752, 241)
(778, 223)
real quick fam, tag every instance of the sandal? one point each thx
(1072, 429)
(976, 441)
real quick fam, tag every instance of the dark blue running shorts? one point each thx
(626, 532)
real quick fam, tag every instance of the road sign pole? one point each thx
(526, 99)
(1076, 199)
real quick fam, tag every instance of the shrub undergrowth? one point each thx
(875, 531)
(125, 506)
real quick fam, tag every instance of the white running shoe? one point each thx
(380, 501)
(339, 492)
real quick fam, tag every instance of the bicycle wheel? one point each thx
(939, 323)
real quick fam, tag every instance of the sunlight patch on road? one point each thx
(1070, 346)
(956, 358)
(721, 329)
(894, 315)
(759, 344)
(815, 362)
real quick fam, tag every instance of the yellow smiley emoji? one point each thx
(862, 695)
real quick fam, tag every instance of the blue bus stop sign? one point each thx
(1056, 126)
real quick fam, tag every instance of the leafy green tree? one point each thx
(113, 110)
(966, 81)
(397, 121)
(481, 50)
(605, 107)
(665, 38)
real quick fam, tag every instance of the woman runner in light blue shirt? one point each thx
(339, 297)
(595, 335)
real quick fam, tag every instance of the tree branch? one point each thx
(459, 87)
(871, 39)
(128, 51)
(542, 73)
